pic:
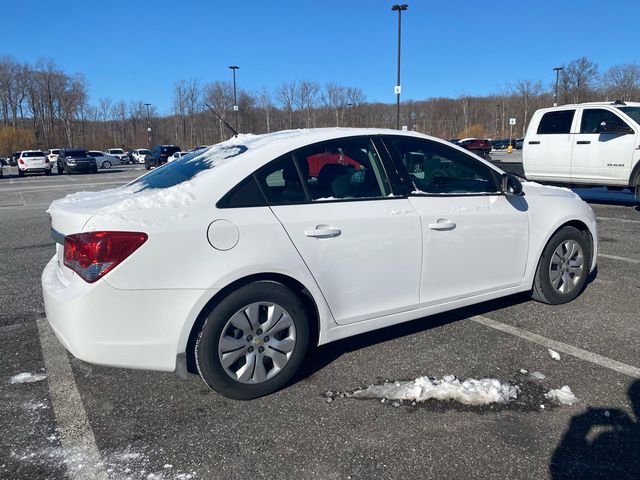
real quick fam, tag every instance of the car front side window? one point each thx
(592, 118)
(438, 169)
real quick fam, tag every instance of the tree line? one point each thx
(42, 106)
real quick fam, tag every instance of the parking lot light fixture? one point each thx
(399, 9)
(235, 96)
(557, 69)
(148, 105)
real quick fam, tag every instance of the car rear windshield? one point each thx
(75, 153)
(188, 166)
(169, 150)
(143, 151)
(116, 150)
(633, 112)
(33, 154)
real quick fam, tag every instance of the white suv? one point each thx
(120, 153)
(138, 154)
(585, 144)
(33, 161)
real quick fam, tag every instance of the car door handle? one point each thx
(323, 231)
(442, 224)
(534, 142)
(583, 142)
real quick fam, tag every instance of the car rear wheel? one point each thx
(47, 172)
(20, 173)
(563, 267)
(253, 342)
(106, 164)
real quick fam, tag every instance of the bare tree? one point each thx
(622, 82)
(286, 94)
(578, 79)
(528, 91)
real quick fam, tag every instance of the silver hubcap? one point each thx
(567, 266)
(257, 342)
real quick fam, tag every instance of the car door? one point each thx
(547, 153)
(600, 155)
(362, 245)
(475, 239)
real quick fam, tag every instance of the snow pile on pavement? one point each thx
(27, 377)
(562, 395)
(555, 355)
(468, 392)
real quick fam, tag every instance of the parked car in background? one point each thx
(276, 259)
(585, 144)
(13, 159)
(159, 155)
(479, 146)
(138, 154)
(501, 144)
(177, 155)
(76, 160)
(517, 143)
(103, 160)
(120, 153)
(1, 172)
(3, 161)
(33, 161)
(52, 154)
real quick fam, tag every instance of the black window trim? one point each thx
(223, 202)
(414, 189)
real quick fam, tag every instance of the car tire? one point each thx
(60, 171)
(106, 164)
(236, 357)
(47, 172)
(563, 267)
(20, 173)
(147, 166)
(94, 170)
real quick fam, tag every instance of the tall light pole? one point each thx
(148, 124)
(557, 69)
(399, 9)
(235, 95)
(349, 105)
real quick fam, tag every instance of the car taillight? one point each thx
(93, 254)
(21, 162)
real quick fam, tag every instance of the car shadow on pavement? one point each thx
(600, 443)
(319, 357)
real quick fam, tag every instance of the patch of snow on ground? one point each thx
(538, 375)
(562, 395)
(469, 391)
(555, 355)
(27, 377)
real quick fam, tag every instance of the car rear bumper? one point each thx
(121, 328)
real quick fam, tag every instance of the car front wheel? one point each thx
(253, 342)
(563, 267)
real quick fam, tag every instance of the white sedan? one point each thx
(232, 261)
(104, 160)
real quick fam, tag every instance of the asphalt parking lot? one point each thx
(87, 421)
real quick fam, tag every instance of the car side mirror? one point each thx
(511, 185)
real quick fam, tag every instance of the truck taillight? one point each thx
(93, 254)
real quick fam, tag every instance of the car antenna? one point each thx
(235, 134)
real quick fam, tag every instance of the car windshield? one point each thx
(188, 166)
(633, 112)
(32, 154)
(75, 153)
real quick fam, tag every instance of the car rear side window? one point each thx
(245, 194)
(281, 183)
(556, 122)
(593, 117)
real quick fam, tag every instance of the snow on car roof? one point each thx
(195, 168)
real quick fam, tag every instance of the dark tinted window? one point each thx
(593, 117)
(556, 122)
(75, 153)
(281, 183)
(439, 169)
(170, 150)
(96, 154)
(246, 194)
(343, 169)
(33, 154)
(633, 112)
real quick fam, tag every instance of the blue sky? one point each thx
(137, 50)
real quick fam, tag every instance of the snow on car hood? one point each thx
(536, 189)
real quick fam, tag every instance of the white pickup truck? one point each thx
(585, 144)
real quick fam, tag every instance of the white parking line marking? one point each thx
(615, 257)
(560, 346)
(71, 417)
(621, 220)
